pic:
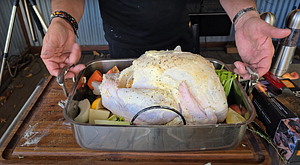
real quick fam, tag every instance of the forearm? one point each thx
(74, 7)
(232, 7)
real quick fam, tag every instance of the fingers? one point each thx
(54, 62)
(274, 32)
(74, 55)
(240, 69)
(74, 70)
(52, 67)
(73, 59)
(243, 72)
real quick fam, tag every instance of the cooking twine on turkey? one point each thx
(183, 81)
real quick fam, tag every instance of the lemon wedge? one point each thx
(97, 104)
(233, 117)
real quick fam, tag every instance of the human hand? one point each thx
(59, 48)
(254, 43)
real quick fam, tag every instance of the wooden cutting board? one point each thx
(43, 136)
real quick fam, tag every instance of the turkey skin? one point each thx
(184, 81)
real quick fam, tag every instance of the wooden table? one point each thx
(43, 136)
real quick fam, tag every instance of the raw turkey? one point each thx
(181, 80)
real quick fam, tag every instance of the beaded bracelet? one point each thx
(242, 12)
(67, 17)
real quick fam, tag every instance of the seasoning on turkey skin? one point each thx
(181, 80)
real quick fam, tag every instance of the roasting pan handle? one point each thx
(254, 77)
(61, 77)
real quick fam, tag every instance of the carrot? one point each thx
(96, 76)
(113, 70)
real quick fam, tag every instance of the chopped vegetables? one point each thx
(100, 114)
(113, 70)
(109, 122)
(115, 118)
(89, 113)
(97, 112)
(226, 78)
(233, 117)
(240, 110)
(84, 106)
(96, 76)
(97, 104)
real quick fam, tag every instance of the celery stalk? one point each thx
(109, 122)
(113, 118)
(226, 79)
